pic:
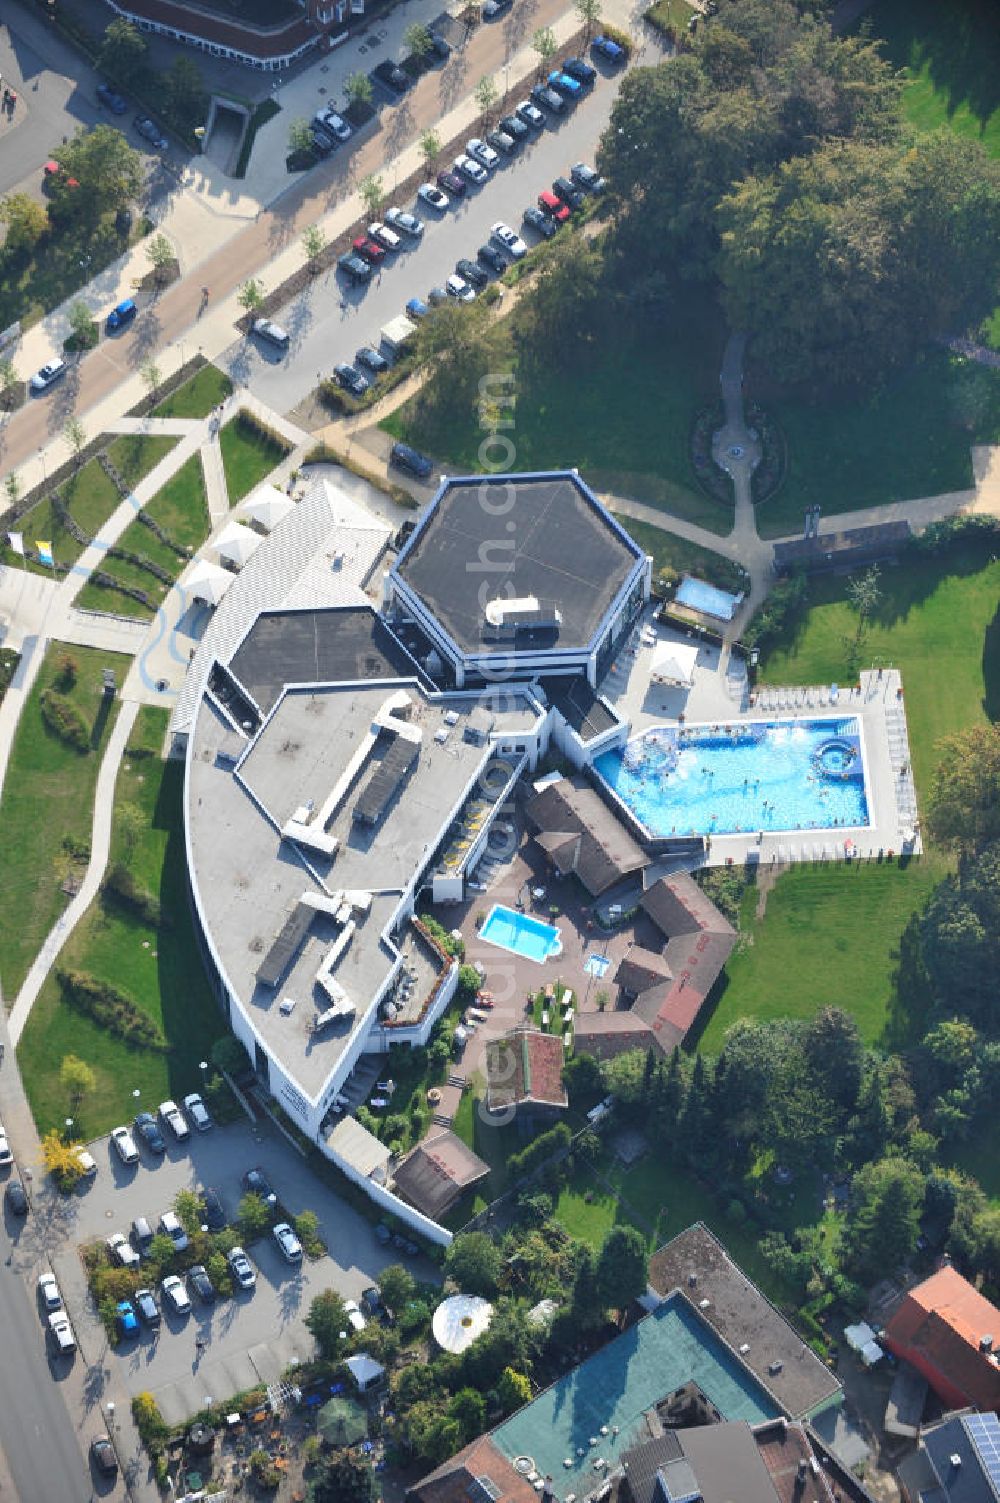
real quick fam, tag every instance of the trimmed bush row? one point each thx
(112, 1009)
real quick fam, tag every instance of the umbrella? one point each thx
(208, 582)
(342, 1422)
(236, 543)
(266, 507)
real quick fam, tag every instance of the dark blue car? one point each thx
(122, 315)
(408, 459)
(110, 99)
(604, 47)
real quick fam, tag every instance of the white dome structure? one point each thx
(459, 1320)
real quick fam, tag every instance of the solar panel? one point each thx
(984, 1432)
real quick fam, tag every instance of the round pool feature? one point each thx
(836, 758)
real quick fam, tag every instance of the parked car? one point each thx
(382, 1234)
(175, 1295)
(111, 99)
(502, 142)
(370, 249)
(440, 48)
(404, 1245)
(241, 1268)
(61, 1333)
(514, 126)
(471, 169)
(254, 1183)
(122, 1251)
(372, 360)
(288, 1244)
(407, 223)
(322, 144)
(436, 296)
(6, 1157)
(452, 183)
(392, 75)
(171, 1114)
(87, 1163)
(197, 1111)
(482, 153)
(354, 268)
(272, 333)
(581, 71)
(213, 1211)
(125, 1318)
(48, 1292)
(384, 236)
(170, 1226)
(491, 257)
(611, 51)
(122, 314)
(529, 114)
(372, 1302)
(586, 177)
(409, 459)
(124, 1146)
(51, 372)
(102, 1454)
(353, 1312)
(547, 98)
(472, 273)
(570, 88)
(147, 1309)
(350, 379)
(429, 193)
(142, 1235)
(571, 196)
(417, 308)
(334, 124)
(148, 1132)
(553, 206)
(458, 288)
(150, 131)
(199, 1281)
(494, 8)
(509, 239)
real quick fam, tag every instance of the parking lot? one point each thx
(249, 1339)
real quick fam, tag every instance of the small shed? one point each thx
(366, 1372)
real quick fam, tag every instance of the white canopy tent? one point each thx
(861, 1339)
(674, 663)
(207, 582)
(266, 506)
(236, 544)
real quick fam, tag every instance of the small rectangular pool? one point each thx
(521, 934)
(699, 595)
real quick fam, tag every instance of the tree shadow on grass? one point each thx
(912, 1001)
(991, 668)
(951, 43)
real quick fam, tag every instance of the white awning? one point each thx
(266, 506)
(236, 544)
(207, 582)
(673, 663)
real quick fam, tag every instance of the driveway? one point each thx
(251, 1338)
(55, 96)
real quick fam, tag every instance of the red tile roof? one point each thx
(526, 1066)
(938, 1327)
(454, 1482)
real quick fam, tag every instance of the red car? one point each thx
(553, 206)
(369, 249)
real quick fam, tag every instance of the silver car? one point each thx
(288, 1244)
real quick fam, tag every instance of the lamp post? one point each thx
(69, 1127)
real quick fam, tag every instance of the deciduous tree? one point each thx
(76, 1078)
(372, 192)
(543, 40)
(160, 255)
(60, 1158)
(358, 90)
(26, 221)
(124, 49)
(963, 802)
(473, 1261)
(110, 172)
(882, 1233)
(75, 435)
(487, 94)
(430, 148)
(314, 244)
(418, 39)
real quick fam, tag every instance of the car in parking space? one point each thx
(493, 8)
(6, 1157)
(571, 196)
(548, 99)
(529, 114)
(125, 1318)
(241, 1268)
(171, 1114)
(102, 1453)
(404, 1245)
(473, 274)
(49, 374)
(430, 193)
(146, 1308)
(122, 1251)
(409, 459)
(382, 1234)
(122, 314)
(491, 257)
(392, 75)
(170, 1226)
(407, 223)
(271, 333)
(334, 124)
(254, 1183)
(87, 1163)
(321, 142)
(458, 288)
(111, 99)
(417, 308)
(369, 249)
(288, 1244)
(585, 176)
(610, 50)
(124, 1146)
(482, 153)
(578, 69)
(350, 379)
(175, 1295)
(142, 1235)
(502, 142)
(514, 126)
(436, 296)
(147, 1131)
(371, 360)
(440, 48)
(213, 1211)
(61, 1333)
(372, 1302)
(353, 1312)
(150, 131)
(553, 206)
(193, 1104)
(384, 236)
(199, 1281)
(355, 268)
(509, 239)
(48, 1292)
(471, 169)
(569, 88)
(16, 1198)
(452, 183)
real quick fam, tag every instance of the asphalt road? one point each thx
(57, 95)
(330, 321)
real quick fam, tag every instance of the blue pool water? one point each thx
(520, 933)
(753, 775)
(704, 597)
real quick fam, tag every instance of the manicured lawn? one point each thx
(951, 57)
(981, 1161)
(623, 419)
(181, 509)
(248, 456)
(47, 808)
(675, 13)
(677, 556)
(196, 398)
(905, 441)
(160, 969)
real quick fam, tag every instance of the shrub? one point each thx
(264, 1471)
(544, 1147)
(229, 1055)
(110, 1008)
(617, 35)
(939, 536)
(67, 670)
(785, 602)
(64, 720)
(149, 1421)
(307, 1229)
(121, 887)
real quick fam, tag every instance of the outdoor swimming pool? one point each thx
(698, 595)
(741, 777)
(520, 933)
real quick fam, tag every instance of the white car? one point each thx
(197, 1111)
(509, 239)
(458, 287)
(170, 1226)
(125, 1145)
(335, 124)
(122, 1251)
(62, 1333)
(431, 194)
(170, 1112)
(530, 114)
(353, 1312)
(48, 1291)
(288, 1244)
(175, 1295)
(87, 1163)
(6, 1157)
(482, 153)
(48, 375)
(468, 167)
(241, 1268)
(408, 223)
(385, 237)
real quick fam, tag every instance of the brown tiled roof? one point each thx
(605, 1034)
(525, 1066)
(455, 1481)
(436, 1172)
(592, 841)
(276, 41)
(677, 905)
(640, 969)
(939, 1326)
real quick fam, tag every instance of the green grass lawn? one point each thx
(47, 809)
(160, 969)
(626, 430)
(248, 456)
(951, 57)
(676, 556)
(181, 509)
(196, 398)
(895, 445)
(981, 1161)
(673, 13)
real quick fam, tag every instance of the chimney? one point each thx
(955, 1459)
(986, 1343)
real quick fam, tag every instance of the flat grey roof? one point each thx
(522, 535)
